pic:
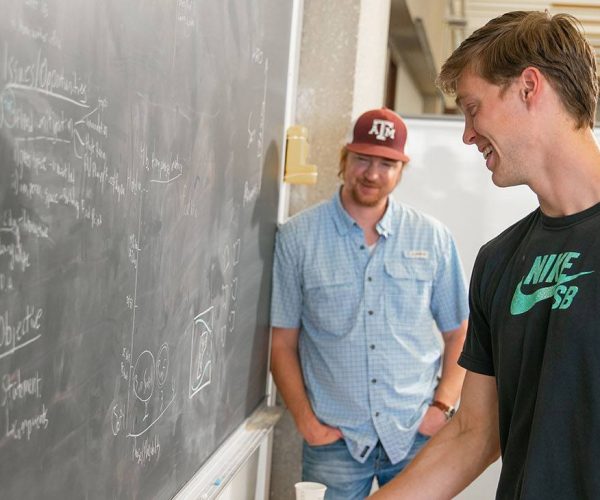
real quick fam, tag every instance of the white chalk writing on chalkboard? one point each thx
(18, 429)
(143, 376)
(14, 388)
(149, 450)
(11, 245)
(38, 76)
(184, 14)
(6, 282)
(163, 171)
(16, 334)
(37, 34)
(39, 5)
(250, 193)
(225, 311)
(117, 419)
(35, 125)
(133, 249)
(16, 391)
(12, 226)
(201, 352)
(139, 432)
(256, 131)
(150, 374)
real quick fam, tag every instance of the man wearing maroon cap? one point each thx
(358, 282)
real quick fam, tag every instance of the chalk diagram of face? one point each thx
(144, 378)
(150, 387)
(162, 365)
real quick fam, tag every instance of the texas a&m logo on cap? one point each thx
(382, 129)
(379, 132)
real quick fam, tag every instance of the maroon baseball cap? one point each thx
(379, 132)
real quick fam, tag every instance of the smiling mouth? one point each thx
(369, 186)
(487, 151)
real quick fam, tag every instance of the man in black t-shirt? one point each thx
(527, 85)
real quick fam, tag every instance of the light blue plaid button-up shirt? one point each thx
(370, 356)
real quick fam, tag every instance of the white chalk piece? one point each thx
(307, 490)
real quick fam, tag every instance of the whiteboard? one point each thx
(449, 180)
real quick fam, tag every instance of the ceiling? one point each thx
(410, 34)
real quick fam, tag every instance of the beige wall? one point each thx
(371, 57)
(342, 71)
(433, 14)
(409, 100)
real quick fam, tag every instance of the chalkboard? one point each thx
(140, 143)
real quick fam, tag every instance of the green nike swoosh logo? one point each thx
(523, 302)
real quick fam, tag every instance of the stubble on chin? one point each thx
(363, 201)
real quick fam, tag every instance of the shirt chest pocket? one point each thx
(408, 287)
(331, 300)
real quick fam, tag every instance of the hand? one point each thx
(433, 421)
(317, 434)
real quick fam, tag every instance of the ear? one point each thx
(530, 84)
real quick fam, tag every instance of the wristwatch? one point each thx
(449, 411)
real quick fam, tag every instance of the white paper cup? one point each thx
(307, 490)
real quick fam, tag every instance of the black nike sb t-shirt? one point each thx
(535, 326)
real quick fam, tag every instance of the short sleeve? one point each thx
(477, 350)
(286, 297)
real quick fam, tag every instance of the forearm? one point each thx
(288, 379)
(287, 373)
(449, 462)
(458, 453)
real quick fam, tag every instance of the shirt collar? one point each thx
(344, 223)
(385, 225)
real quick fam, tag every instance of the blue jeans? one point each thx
(345, 478)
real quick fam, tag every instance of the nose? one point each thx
(469, 133)
(373, 168)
